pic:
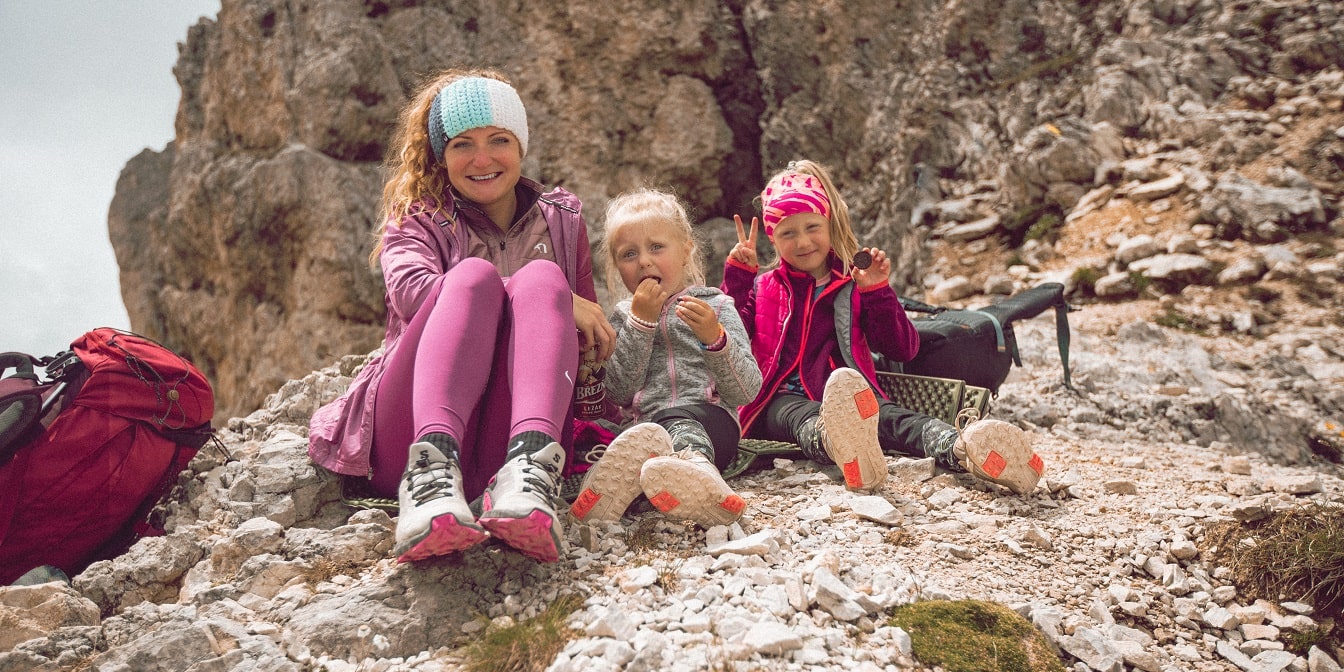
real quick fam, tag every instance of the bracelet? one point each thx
(719, 343)
(642, 322)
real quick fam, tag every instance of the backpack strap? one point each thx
(1062, 336)
(999, 343)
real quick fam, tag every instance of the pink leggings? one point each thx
(481, 352)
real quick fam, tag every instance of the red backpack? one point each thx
(87, 453)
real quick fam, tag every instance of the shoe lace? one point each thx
(595, 453)
(965, 417)
(540, 477)
(429, 479)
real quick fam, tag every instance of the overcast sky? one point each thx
(84, 86)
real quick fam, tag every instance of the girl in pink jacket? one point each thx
(489, 299)
(815, 320)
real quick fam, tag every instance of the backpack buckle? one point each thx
(61, 366)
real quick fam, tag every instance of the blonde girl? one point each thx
(815, 318)
(681, 366)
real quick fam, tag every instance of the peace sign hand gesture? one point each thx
(744, 252)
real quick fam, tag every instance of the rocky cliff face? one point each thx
(243, 244)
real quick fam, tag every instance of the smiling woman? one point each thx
(71, 122)
(489, 292)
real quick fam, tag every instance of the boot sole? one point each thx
(445, 535)
(849, 411)
(612, 483)
(533, 535)
(684, 491)
(1001, 453)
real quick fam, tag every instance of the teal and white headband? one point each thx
(475, 102)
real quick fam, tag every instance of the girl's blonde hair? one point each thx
(843, 240)
(417, 179)
(650, 205)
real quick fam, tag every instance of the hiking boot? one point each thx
(996, 451)
(520, 501)
(848, 429)
(434, 518)
(611, 484)
(687, 486)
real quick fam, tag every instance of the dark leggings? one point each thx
(899, 431)
(718, 423)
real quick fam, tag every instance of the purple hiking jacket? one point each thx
(415, 255)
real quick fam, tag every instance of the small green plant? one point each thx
(1043, 69)
(1174, 320)
(974, 636)
(1140, 281)
(1046, 228)
(1085, 279)
(530, 646)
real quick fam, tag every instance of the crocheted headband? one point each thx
(789, 194)
(475, 102)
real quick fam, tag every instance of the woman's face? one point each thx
(804, 240)
(484, 165)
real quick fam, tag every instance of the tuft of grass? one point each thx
(1085, 279)
(1295, 554)
(1174, 320)
(974, 636)
(1043, 69)
(1045, 229)
(529, 646)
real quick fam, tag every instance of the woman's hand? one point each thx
(878, 273)
(744, 252)
(594, 330)
(704, 322)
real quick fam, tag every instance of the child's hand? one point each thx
(876, 274)
(704, 322)
(648, 302)
(744, 252)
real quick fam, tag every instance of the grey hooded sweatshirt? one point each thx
(654, 369)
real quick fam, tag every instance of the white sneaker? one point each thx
(611, 484)
(996, 451)
(687, 486)
(434, 518)
(849, 429)
(519, 503)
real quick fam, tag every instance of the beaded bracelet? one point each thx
(642, 322)
(719, 343)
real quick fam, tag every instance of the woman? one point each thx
(468, 400)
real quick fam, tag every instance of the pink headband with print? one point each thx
(790, 194)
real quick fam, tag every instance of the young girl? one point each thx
(815, 320)
(681, 366)
(489, 292)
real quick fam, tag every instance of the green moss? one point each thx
(974, 636)
(529, 646)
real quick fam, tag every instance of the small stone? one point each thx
(1237, 464)
(1122, 487)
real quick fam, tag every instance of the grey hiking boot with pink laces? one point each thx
(613, 482)
(687, 486)
(434, 518)
(848, 428)
(997, 452)
(520, 502)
